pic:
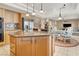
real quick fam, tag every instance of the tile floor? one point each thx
(67, 51)
(5, 50)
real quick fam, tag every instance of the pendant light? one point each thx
(41, 10)
(60, 17)
(33, 13)
(27, 14)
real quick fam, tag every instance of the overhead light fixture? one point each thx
(27, 14)
(33, 13)
(60, 17)
(41, 10)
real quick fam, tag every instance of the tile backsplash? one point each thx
(10, 26)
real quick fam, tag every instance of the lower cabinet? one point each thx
(24, 46)
(7, 38)
(12, 46)
(42, 46)
(32, 46)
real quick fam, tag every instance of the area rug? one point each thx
(72, 43)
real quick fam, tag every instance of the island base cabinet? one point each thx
(31, 46)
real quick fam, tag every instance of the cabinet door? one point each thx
(9, 16)
(42, 46)
(1, 12)
(12, 45)
(24, 47)
(15, 17)
(7, 37)
(18, 46)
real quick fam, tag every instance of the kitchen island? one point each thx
(30, 43)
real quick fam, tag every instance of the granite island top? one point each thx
(24, 34)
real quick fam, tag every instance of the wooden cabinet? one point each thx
(7, 38)
(18, 47)
(41, 44)
(27, 46)
(1, 12)
(30, 46)
(24, 46)
(11, 17)
(16, 17)
(12, 46)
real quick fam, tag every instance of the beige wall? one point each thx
(75, 23)
(59, 24)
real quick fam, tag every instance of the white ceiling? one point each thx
(51, 10)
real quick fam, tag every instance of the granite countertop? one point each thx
(24, 34)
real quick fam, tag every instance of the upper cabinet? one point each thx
(11, 17)
(1, 12)
(16, 17)
(8, 16)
